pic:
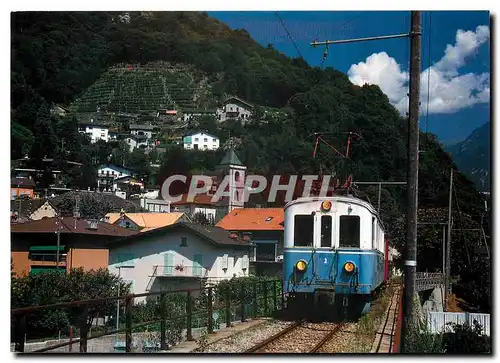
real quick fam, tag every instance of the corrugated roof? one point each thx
(147, 221)
(254, 219)
(48, 225)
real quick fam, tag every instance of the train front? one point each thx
(327, 255)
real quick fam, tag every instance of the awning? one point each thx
(46, 248)
(39, 270)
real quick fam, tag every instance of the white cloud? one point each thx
(449, 91)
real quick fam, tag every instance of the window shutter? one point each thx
(168, 263)
(245, 262)
(197, 264)
(225, 261)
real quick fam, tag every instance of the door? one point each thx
(324, 263)
(197, 264)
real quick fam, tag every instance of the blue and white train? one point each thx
(334, 253)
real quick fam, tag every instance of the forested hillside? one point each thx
(472, 156)
(62, 57)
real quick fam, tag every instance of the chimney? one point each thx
(93, 225)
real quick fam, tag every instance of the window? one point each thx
(326, 231)
(237, 176)
(112, 173)
(205, 147)
(205, 139)
(214, 140)
(196, 146)
(373, 232)
(349, 231)
(184, 242)
(303, 231)
(265, 251)
(195, 139)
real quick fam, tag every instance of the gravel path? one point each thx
(246, 339)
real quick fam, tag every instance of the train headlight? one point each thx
(349, 267)
(301, 265)
(326, 205)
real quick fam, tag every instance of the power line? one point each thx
(289, 35)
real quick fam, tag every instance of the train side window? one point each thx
(373, 233)
(349, 231)
(303, 231)
(326, 231)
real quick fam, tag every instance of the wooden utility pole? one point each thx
(447, 283)
(410, 259)
(444, 266)
(413, 134)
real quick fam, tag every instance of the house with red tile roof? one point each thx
(265, 228)
(35, 245)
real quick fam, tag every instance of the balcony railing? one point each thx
(180, 271)
(47, 257)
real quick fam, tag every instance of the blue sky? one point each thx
(459, 84)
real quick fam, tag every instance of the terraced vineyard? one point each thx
(134, 89)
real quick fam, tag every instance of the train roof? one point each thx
(339, 198)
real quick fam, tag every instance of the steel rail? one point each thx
(276, 336)
(327, 337)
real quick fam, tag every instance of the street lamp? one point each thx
(118, 301)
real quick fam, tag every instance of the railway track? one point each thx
(300, 337)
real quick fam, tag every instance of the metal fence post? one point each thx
(128, 324)
(275, 293)
(210, 323)
(83, 330)
(254, 299)
(189, 313)
(265, 298)
(242, 297)
(20, 332)
(228, 306)
(163, 323)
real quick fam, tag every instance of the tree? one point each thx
(56, 287)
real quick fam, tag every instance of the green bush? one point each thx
(466, 338)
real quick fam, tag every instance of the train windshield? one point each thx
(349, 231)
(303, 231)
(326, 231)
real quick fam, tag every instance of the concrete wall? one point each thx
(89, 259)
(21, 262)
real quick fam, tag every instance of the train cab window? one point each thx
(349, 231)
(326, 231)
(303, 231)
(374, 231)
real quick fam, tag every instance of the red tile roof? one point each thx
(202, 199)
(48, 225)
(254, 219)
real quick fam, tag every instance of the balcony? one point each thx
(186, 271)
(47, 259)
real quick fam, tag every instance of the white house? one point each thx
(234, 108)
(179, 256)
(142, 130)
(95, 130)
(107, 175)
(137, 141)
(201, 141)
